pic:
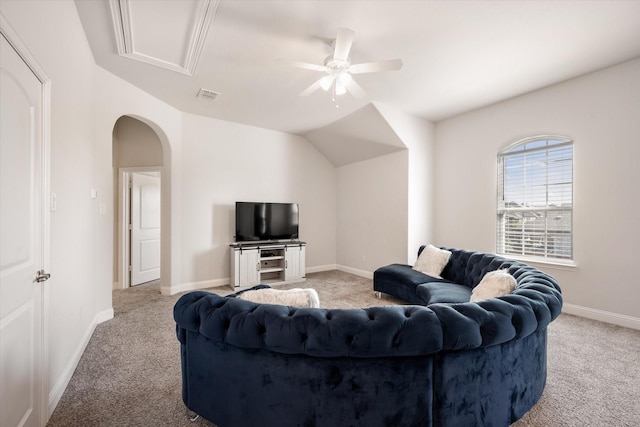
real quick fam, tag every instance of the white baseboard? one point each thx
(357, 272)
(203, 284)
(103, 316)
(602, 316)
(55, 394)
(329, 267)
(319, 268)
(194, 286)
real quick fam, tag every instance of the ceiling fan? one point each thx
(339, 70)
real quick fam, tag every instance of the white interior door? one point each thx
(145, 228)
(21, 242)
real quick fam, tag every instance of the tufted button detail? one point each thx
(411, 330)
(396, 340)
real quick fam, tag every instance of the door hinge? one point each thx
(130, 269)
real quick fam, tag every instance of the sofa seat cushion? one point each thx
(402, 281)
(437, 292)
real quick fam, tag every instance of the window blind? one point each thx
(535, 198)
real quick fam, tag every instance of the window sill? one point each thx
(549, 263)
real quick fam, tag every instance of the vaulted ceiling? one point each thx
(457, 55)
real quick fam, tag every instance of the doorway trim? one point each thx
(124, 211)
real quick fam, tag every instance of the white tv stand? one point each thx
(269, 263)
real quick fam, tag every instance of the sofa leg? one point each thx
(378, 294)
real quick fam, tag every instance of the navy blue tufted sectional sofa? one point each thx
(446, 364)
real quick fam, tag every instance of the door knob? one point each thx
(41, 276)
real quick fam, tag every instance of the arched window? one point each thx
(535, 198)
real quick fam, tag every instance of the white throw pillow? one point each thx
(493, 284)
(432, 261)
(296, 297)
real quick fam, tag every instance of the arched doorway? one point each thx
(138, 162)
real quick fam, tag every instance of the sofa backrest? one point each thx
(402, 330)
(480, 264)
(456, 268)
(407, 330)
(469, 267)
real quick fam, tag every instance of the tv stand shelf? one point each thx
(271, 263)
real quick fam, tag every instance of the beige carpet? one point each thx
(129, 374)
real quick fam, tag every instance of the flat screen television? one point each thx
(260, 221)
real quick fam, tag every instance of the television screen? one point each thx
(259, 221)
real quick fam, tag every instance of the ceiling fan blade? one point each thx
(344, 40)
(355, 89)
(314, 87)
(307, 66)
(373, 67)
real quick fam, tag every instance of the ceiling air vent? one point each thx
(206, 93)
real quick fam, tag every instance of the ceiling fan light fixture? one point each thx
(326, 82)
(339, 70)
(345, 78)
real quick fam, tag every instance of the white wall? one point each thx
(86, 101)
(372, 213)
(601, 113)
(226, 162)
(209, 164)
(385, 204)
(73, 288)
(115, 98)
(52, 31)
(418, 135)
